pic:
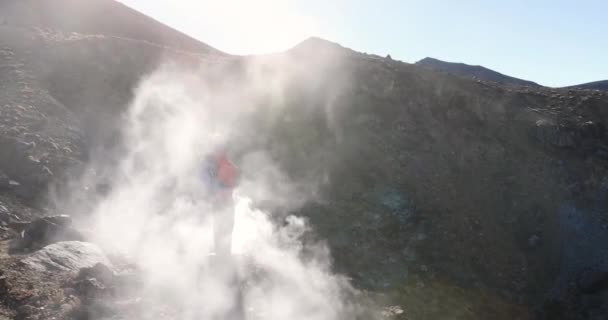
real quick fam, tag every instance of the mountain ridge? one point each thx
(485, 74)
(473, 71)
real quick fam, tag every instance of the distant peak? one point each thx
(316, 43)
(431, 60)
(427, 59)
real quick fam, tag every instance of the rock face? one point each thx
(66, 256)
(488, 199)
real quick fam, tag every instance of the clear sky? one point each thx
(552, 42)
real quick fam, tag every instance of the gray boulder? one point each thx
(66, 256)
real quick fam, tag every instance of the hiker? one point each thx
(219, 178)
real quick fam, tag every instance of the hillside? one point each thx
(596, 85)
(477, 72)
(445, 196)
(92, 17)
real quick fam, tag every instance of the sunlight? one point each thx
(260, 26)
(235, 26)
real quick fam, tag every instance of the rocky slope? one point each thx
(457, 198)
(477, 72)
(93, 18)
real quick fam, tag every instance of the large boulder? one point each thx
(66, 256)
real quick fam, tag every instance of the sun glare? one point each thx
(234, 26)
(261, 26)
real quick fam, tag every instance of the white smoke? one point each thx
(157, 213)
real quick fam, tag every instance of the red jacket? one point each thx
(225, 171)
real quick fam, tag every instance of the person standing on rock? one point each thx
(220, 177)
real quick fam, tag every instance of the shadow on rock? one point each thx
(41, 232)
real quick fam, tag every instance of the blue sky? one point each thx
(554, 43)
